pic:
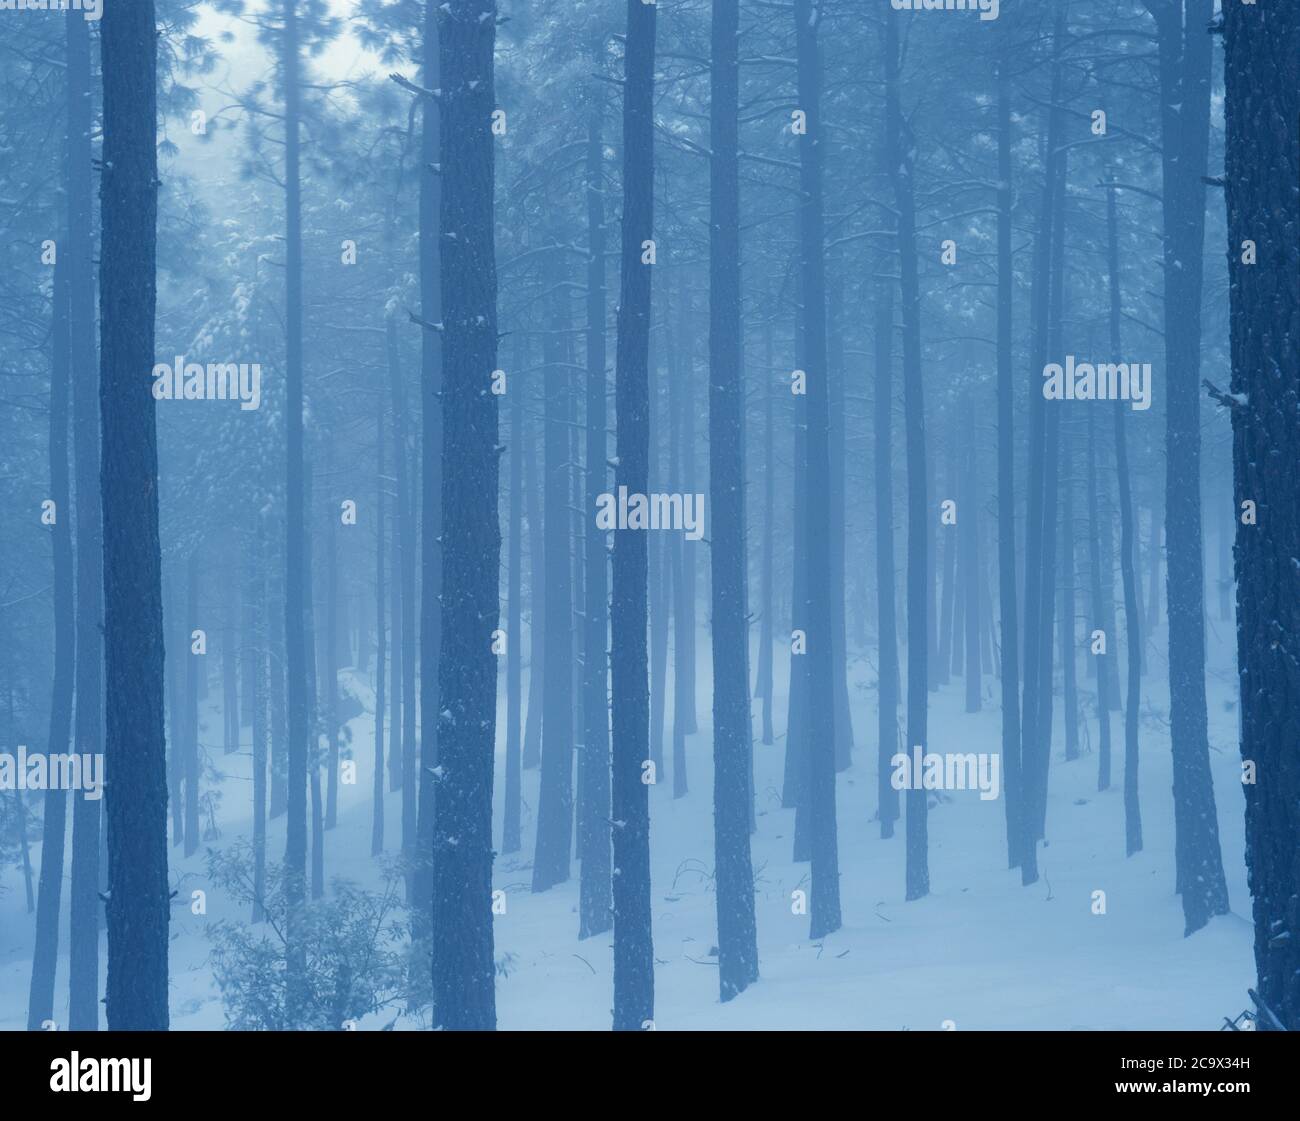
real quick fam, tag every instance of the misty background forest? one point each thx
(765, 514)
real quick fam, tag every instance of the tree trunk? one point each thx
(463, 968)
(135, 753)
(919, 587)
(510, 835)
(381, 639)
(887, 617)
(88, 729)
(824, 907)
(1185, 74)
(194, 669)
(1099, 617)
(969, 543)
(766, 635)
(732, 730)
(1127, 560)
(555, 798)
(594, 903)
(633, 948)
(296, 593)
(1033, 749)
(1260, 75)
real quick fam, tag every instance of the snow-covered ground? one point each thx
(980, 951)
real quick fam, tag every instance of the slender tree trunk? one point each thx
(381, 640)
(88, 729)
(404, 635)
(431, 481)
(194, 670)
(1185, 76)
(255, 653)
(594, 903)
(296, 592)
(824, 907)
(173, 623)
(315, 663)
(887, 616)
(674, 548)
(839, 632)
(555, 799)
(1069, 664)
(276, 659)
(532, 755)
(969, 542)
(732, 730)
(658, 574)
(1099, 619)
(949, 611)
(1033, 749)
(919, 586)
(510, 836)
(633, 947)
(1051, 501)
(766, 636)
(330, 656)
(1128, 572)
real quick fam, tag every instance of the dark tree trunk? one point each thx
(463, 967)
(968, 531)
(555, 798)
(766, 635)
(683, 668)
(330, 655)
(296, 591)
(1069, 664)
(1098, 613)
(949, 604)
(658, 575)
(276, 667)
(594, 913)
(900, 162)
(397, 613)
(1185, 73)
(532, 752)
(795, 778)
(405, 749)
(381, 639)
(1033, 749)
(194, 670)
(255, 654)
(1260, 75)
(835, 389)
(88, 730)
(510, 836)
(315, 723)
(1127, 562)
(886, 611)
(174, 634)
(1051, 501)
(633, 947)
(732, 730)
(135, 752)
(684, 714)
(824, 907)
